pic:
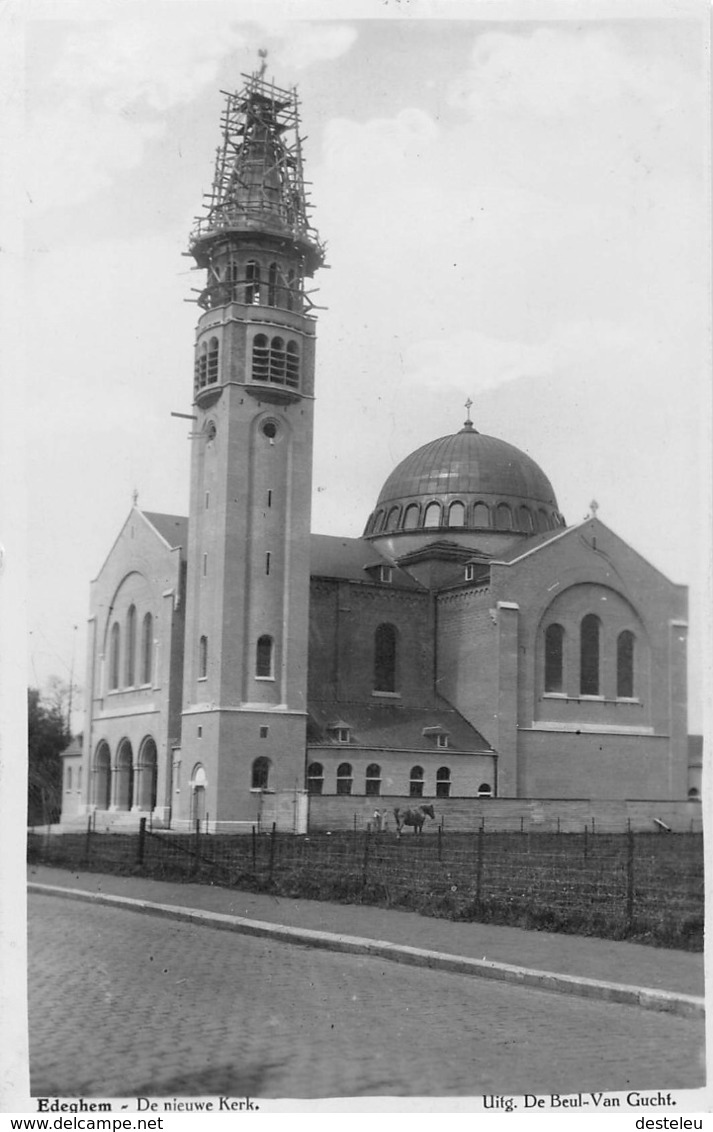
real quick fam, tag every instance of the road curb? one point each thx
(647, 998)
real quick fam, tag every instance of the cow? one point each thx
(414, 817)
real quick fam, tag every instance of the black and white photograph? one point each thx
(357, 532)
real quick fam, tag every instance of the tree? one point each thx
(47, 738)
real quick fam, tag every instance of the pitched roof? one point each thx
(393, 726)
(172, 528)
(352, 559)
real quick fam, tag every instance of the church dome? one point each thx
(466, 481)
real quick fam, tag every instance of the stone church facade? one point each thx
(469, 648)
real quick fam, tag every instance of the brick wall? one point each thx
(468, 814)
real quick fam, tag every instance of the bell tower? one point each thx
(248, 564)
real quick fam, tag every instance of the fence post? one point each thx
(254, 849)
(585, 842)
(558, 824)
(142, 839)
(88, 838)
(522, 823)
(594, 828)
(440, 840)
(365, 863)
(272, 849)
(479, 868)
(197, 835)
(629, 878)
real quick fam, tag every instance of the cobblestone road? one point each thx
(127, 1005)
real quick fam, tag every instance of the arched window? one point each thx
(263, 657)
(625, 665)
(344, 778)
(481, 515)
(252, 282)
(432, 517)
(290, 304)
(147, 649)
(543, 522)
(373, 779)
(411, 517)
(198, 785)
(261, 358)
(202, 365)
(131, 646)
(385, 659)
(378, 521)
(525, 519)
(277, 361)
(203, 658)
(315, 778)
(272, 285)
(392, 521)
(114, 655)
(234, 278)
(101, 786)
(213, 361)
(443, 782)
(415, 786)
(292, 365)
(554, 640)
(456, 515)
(503, 517)
(485, 790)
(589, 656)
(260, 773)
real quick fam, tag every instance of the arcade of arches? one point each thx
(126, 782)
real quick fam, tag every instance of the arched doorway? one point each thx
(148, 769)
(124, 792)
(198, 784)
(101, 793)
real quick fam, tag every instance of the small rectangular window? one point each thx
(263, 732)
(207, 500)
(267, 562)
(205, 565)
(200, 731)
(269, 499)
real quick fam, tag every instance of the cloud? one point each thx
(554, 73)
(306, 44)
(108, 95)
(478, 362)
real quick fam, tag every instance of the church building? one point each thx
(469, 649)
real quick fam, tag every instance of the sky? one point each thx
(515, 211)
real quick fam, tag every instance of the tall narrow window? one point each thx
(291, 291)
(443, 782)
(252, 282)
(202, 366)
(456, 515)
(114, 654)
(263, 659)
(234, 276)
(131, 646)
(344, 778)
(261, 358)
(292, 362)
(212, 361)
(503, 517)
(260, 777)
(432, 517)
(267, 562)
(277, 361)
(392, 520)
(147, 649)
(525, 517)
(385, 659)
(589, 656)
(554, 640)
(625, 665)
(411, 517)
(373, 779)
(203, 658)
(272, 285)
(315, 778)
(415, 786)
(481, 515)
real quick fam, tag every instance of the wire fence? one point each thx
(643, 886)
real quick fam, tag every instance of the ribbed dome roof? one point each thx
(468, 463)
(490, 483)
